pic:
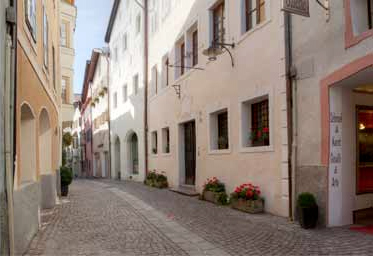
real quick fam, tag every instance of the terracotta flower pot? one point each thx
(250, 206)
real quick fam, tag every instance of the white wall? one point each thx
(128, 116)
(259, 70)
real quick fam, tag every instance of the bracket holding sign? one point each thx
(302, 7)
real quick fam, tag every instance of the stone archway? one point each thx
(117, 158)
(47, 176)
(45, 143)
(27, 145)
(133, 154)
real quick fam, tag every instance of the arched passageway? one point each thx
(27, 145)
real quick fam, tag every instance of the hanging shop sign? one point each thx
(299, 7)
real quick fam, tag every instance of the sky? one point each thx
(91, 25)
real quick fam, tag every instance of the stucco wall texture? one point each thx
(320, 47)
(259, 70)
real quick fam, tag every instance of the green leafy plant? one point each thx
(214, 185)
(306, 200)
(67, 139)
(66, 175)
(154, 179)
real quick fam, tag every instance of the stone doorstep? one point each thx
(185, 190)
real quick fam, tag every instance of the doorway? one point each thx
(134, 158)
(117, 158)
(190, 153)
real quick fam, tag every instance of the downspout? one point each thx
(10, 120)
(146, 60)
(107, 55)
(290, 111)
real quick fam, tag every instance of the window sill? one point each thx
(166, 154)
(220, 152)
(251, 31)
(257, 149)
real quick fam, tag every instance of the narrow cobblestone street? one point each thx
(126, 218)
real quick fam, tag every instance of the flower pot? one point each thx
(64, 190)
(308, 216)
(210, 196)
(250, 206)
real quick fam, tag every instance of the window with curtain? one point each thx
(223, 141)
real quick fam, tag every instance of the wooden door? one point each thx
(190, 153)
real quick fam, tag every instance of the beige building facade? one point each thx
(37, 121)
(221, 117)
(68, 14)
(334, 116)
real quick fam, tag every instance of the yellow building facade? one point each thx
(38, 133)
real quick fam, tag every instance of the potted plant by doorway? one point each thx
(214, 191)
(66, 179)
(308, 211)
(246, 198)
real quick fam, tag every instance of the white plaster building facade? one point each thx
(215, 128)
(100, 117)
(125, 39)
(334, 117)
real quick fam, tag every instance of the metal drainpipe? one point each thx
(107, 55)
(146, 60)
(290, 107)
(11, 119)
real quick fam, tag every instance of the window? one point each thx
(166, 8)
(255, 123)
(45, 38)
(138, 24)
(64, 84)
(182, 58)
(115, 100)
(219, 138)
(54, 67)
(370, 14)
(255, 12)
(218, 23)
(260, 123)
(154, 22)
(362, 16)
(125, 45)
(154, 143)
(125, 93)
(64, 40)
(30, 15)
(136, 84)
(155, 79)
(165, 70)
(195, 48)
(166, 140)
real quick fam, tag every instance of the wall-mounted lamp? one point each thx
(216, 49)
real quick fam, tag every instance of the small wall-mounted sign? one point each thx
(299, 7)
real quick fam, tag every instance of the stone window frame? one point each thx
(243, 147)
(350, 39)
(212, 112)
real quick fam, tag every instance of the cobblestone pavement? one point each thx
(127, 218)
